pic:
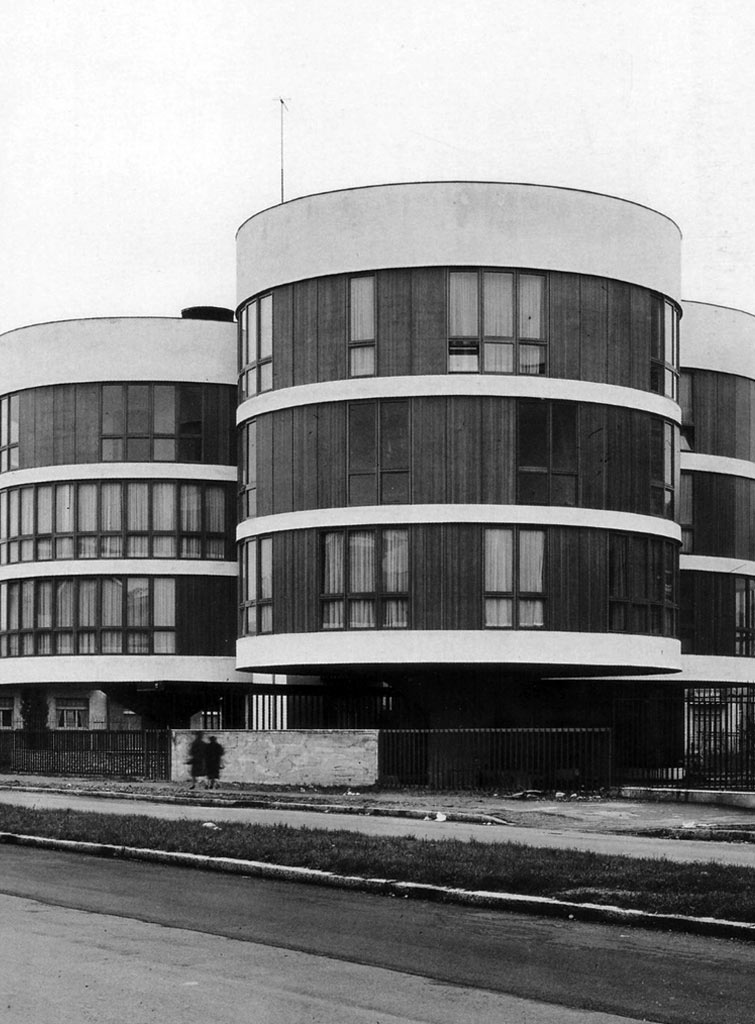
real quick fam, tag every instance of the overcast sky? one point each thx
(136, 135)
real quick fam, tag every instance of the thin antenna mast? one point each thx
(282, 101)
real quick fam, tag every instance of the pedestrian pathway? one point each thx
(435, 826)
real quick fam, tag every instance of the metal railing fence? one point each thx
(505, 759)
(100, 752)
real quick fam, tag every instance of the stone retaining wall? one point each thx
(312, 757)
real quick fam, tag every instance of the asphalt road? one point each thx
(682, 850)
(139, 942)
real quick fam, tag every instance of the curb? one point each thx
(260, 802)
(542, 906)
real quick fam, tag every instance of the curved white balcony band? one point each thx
(709, 670)
(458, 385)
(458, 224)
(189, 472)
(548, 651)
(707, 563)
(94, 669)
(694, 463)
(118, 349)
(408, 515)
(117, 567)
(718, 338)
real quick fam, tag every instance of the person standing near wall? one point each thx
(213, 761)
(197, 758)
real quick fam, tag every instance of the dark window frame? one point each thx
(255, 365)
(474, 344)
(382, 472)
(358, 345)
(255, 588)
(380, 596)
(516, 595)
(643, 586)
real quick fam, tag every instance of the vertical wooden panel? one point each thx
(426, 577)
(331, 455)
(564, 579)
(640, 338)
(725, 423)
(265, 465)
(706, 411)
(227, 430)
(618, 455)
(619, 334)
(593, 329)
(87, 423)
(593, 455)
(429, 455)
(283, 337)
(27, 439)
(284, 592)
(741, 449)
(305, 457)
(331, 328)
(283, 427)
(462, 580)
(564, 326)
(463, 447)
(429, 321)
(211, 424)
(394, 322)
(593, 567)
(44, 426)
(296, 606)
(64, 420)
(498, 469)
(638, 459)
(305, 332)
(205, 615)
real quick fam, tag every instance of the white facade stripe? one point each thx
(193, 472)
(453, 647)
(696, 463)
(94, 669)
(117, 567)
(707, 563)
(458, 223)
(454, 384)
(393, 515)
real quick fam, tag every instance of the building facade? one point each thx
(117, 494)
(447, 454)
(459, 438)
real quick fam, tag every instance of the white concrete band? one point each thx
(718, 338)
(119, 349)
(694, 463)
(707, 563)
(398, 647)
(710, 670)
(458, 385)
(94, 669)
(72, 473)
(458, 224)
(117, 567)
(407, 515)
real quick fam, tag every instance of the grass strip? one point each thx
(657, 886)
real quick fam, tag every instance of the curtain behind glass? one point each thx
(463, 305)
(499, 561)
(498, 305)
(531, 556)
(164, 602)
(395, 561)
(361, 561)
(362, 308)
(530, 306)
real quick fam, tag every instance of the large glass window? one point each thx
(83, 615)
(256, 586)
(152, 422)
(641, 585)
(514, 574)
(662, 468)
(744, 617)
(686, 511)
(248, 471)
(256, 347)
(547, 452)
(114, 519)
(72, 713)
(9, 458)
(378, 452)
(496, 322)
(664, 352)
(362, 327)
(365, 579)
